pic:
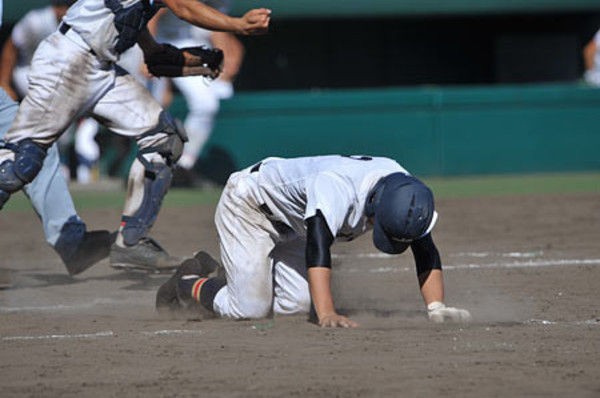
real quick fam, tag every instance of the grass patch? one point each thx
(464, 187)
(447, 187)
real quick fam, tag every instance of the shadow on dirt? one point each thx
(140, 281)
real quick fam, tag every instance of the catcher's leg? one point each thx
(64, 80)
(149, 180)
(130, 110)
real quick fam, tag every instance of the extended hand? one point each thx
(438, 313)
(336, 321)
(255, 22)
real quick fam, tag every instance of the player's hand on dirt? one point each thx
(255, 22)
(336, 321)
(438, 313)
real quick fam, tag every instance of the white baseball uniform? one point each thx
(27, 34)
(261, 217)
(74, 74)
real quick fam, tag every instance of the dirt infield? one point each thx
(527, 267)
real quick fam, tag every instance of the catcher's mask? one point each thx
(402, 209)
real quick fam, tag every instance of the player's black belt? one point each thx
(263, 207)
(64, 28)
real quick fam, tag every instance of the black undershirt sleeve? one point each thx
(318, 241)
(426, 255)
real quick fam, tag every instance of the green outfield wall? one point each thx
(431, 130)
(373, 8)
(14, 9)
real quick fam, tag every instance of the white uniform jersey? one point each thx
(338, 186)
(34, 27)
(94, 21)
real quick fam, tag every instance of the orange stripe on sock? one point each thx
(197, 287)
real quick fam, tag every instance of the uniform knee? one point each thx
(298, 303)
(303, 302)
(253, 309)
(166, 139)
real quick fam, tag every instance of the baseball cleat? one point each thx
(146, 255)
(209, 265)
(94, 247)
(169, 297)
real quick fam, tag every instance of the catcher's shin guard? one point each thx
(150, 178)
(152, 189)
(29, 159)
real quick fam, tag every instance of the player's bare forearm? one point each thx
(432, 289)
(319, 280)
(253, 22)
(7, 65)
(432, 286)
(153, 23)
(233, 51)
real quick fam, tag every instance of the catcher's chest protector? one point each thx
(130, 20)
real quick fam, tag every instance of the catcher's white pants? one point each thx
(265, 269)
(66, 80)
(85, 145)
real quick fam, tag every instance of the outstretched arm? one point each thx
(318, 258)
(252, 23)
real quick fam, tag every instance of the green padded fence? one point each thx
(14, 9)
(430, 130)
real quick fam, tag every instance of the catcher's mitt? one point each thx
(171, 61)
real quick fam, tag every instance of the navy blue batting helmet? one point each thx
(403, 210)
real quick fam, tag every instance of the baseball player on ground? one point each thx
(276, 222)
(202, 96)
(73, 72)
(64, 230)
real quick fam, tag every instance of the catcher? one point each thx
(73, 72)
(277, 221)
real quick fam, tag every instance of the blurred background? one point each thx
(446, 87)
